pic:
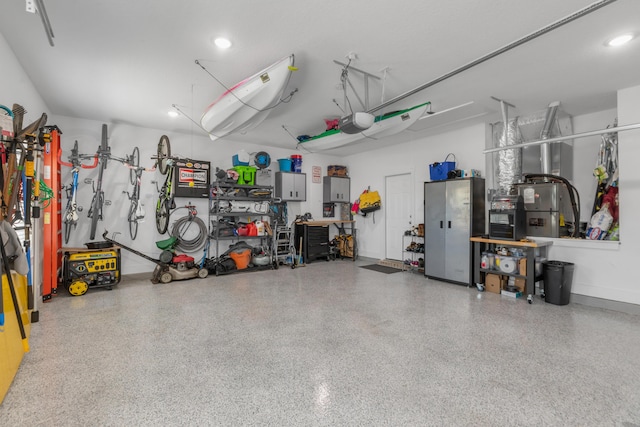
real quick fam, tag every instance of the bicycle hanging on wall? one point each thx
(136, 210)
(165, 194)
(72, 209)
(95, 211)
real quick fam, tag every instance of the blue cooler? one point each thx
(237, 162)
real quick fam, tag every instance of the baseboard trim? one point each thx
(606, 304)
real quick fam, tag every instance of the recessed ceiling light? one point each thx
(173, 113)
(222, 43)
(620, 40)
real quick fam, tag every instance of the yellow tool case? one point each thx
(84, 269)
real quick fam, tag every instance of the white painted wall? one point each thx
(16, 87)
(122, 139)
(370, 168)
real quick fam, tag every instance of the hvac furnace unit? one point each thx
(454, 211)
(544, 204)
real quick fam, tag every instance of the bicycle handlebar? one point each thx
(80, 157)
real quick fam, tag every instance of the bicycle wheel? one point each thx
(96, 206)
(133, 221)
(162, 215)
(164, 153)
(134, 161)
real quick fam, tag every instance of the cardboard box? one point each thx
(517, 294)
(493, 283)
(522, 266)
(337, 170)
(520, 283)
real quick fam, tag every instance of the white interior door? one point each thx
(398, 212)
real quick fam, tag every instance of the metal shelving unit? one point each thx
(412, 255)
(235, 202)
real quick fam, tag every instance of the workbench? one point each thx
(530, 248)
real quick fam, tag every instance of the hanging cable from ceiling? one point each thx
(284, 100)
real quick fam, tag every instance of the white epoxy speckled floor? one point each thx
(330, 344)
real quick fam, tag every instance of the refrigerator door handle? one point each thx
(441, 224)
(449, 224)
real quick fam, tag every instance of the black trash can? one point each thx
(557, 276)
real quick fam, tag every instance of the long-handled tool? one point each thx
(298, 261)
(14, 297)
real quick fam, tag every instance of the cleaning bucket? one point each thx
(296, 160)
(285, 165)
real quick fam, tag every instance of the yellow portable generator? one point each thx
(91, 269)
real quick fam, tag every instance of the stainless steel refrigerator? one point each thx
(454, 211)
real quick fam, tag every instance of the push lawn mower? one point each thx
(170, 266)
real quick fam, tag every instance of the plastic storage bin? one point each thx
(246, 175)
(439, 171)
(557, 276)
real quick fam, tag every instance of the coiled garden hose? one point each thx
(181, 228)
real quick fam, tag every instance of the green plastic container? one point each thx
(246, 174)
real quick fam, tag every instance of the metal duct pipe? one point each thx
(564, 138)
(545, 149)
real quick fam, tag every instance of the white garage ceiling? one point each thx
(122, 61)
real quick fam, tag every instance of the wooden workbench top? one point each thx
(527, 244)
(326, 222)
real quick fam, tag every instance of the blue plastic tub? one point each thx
(285, 165)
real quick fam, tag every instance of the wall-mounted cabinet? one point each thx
(336, 189)
(291, 187)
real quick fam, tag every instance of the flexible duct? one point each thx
(509, 162)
